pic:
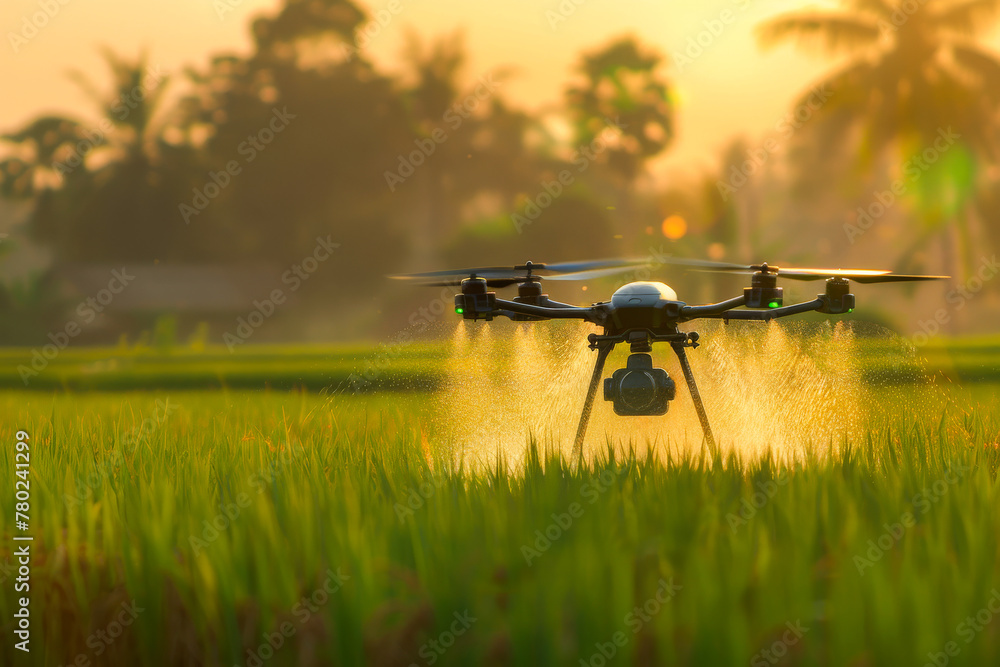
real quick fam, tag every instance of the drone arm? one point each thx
(770, 314)
(712, 309)
(549, 303)
(561, 311)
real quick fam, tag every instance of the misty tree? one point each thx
(624, 107)
(915, 86)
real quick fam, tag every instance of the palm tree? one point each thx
(622, 85)
(124, 212)
(134, 99)
(42, 155)
(99, 191)
(435, 70)
(913, 71)
(483, 161)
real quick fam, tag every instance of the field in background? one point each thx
(417, 366)
(299, 527)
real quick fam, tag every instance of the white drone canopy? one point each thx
(643, 293)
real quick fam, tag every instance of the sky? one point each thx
(729, 87)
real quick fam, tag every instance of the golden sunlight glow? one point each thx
(674, 227)
(731, 74)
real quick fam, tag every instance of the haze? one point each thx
(731, 89)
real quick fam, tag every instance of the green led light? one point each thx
(774, 304)
(459, 310)
(850, 310)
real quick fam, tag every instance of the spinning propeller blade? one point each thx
(456, 276)
(857, 275)
(588, 275)
(502, 276)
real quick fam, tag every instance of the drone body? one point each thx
(642, 313)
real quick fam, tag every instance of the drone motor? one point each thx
(838, 298)
(475, 302)
(530, 291)
(763, 291)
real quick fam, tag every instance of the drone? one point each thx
(642, 313)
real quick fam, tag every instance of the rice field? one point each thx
(224, 525)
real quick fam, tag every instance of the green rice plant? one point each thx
(235, 527)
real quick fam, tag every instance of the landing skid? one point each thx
(641, 341)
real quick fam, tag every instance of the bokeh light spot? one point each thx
(674, 227)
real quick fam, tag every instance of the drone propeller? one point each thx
(857, 275)
(502, 276)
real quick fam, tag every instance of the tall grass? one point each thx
(303, 487)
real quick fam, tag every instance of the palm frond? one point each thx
(968, 17)
(853, 83)
(882, 8)
(830, 31)
(86, 85)
(984, 66)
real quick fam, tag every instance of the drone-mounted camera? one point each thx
(640, 389)
(475, 302)
(763, 291)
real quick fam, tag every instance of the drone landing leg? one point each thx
(602, 355)
(699, 407)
